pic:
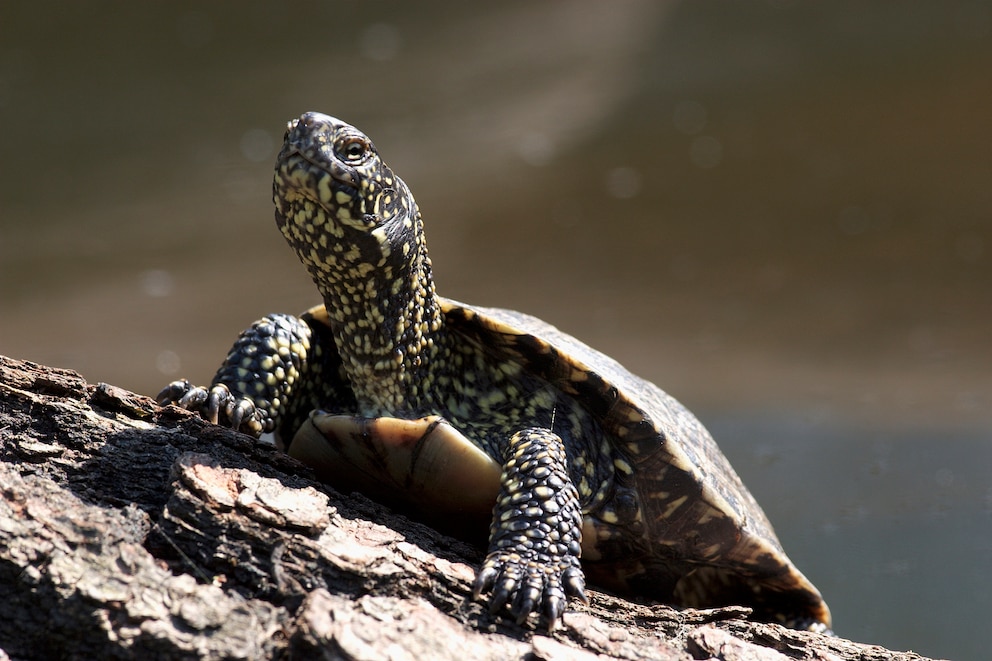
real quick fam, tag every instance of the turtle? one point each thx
(474, 415)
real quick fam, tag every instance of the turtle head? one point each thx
(340, 207)
(356, 228)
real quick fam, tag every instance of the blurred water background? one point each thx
(781, 212)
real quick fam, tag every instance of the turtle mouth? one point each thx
(311, 179)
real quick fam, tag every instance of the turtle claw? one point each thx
(500, 576)
(239, 413)
(575, 584)
(217, 399)
(529, 586)
(242, 412)
(174, 392)
(528, 596)
(554, 608)
(484, 581)
(501, 582)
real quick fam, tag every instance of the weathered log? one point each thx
(133, 531)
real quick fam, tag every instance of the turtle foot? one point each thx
(534, 585)
(216, 404)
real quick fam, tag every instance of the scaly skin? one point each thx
(535, 538)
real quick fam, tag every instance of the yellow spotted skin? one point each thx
(596, 462)
(536, 532)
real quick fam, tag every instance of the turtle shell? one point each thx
(680, 525)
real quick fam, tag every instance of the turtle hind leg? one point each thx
(536, 534)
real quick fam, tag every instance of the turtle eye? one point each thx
(354, 150)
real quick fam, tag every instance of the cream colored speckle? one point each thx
(673, 506)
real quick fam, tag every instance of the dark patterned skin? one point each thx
(595, 462)
(535, 538)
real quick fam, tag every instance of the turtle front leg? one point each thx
(536, 533)
(253, 386)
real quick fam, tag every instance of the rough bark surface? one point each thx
(133, 531)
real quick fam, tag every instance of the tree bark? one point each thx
(133, 531)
